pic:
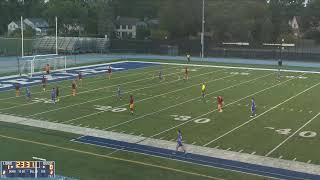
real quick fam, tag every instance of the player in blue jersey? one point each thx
(179, 142)
(28, 94)
(119, 92)
(53, 95)
(253, 108)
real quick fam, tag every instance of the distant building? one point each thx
(126, 27)
(153, 23)
(295, 24)
(14, 25)
(38, 24)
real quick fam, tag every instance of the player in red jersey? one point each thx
(44, 82)
(131, 105)
(80, 77)
(17, 87)
(47, 69)
(74, 88)
(109, 72)
(220, 103)
(186, 73)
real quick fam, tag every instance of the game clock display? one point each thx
(27, 169)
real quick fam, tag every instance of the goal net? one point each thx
(31, 65)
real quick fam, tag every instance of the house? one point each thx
(153, 23)
(126, 27)
(14, 25)
(38, 24)
(294, 24)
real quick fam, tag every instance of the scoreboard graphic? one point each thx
(27, 169)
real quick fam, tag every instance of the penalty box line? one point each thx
(93, 100)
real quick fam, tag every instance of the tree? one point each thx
(28, 32)
(104, 17)
(143, 32)
(71, 14)
(246, 20)
(181, 18)
(137, 8)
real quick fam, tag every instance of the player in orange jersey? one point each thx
(131, 105)
(17, 87)
(47, 69)
(109, 72)
(186, 73)
(74, 88)
(220, 103)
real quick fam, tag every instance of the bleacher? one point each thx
(71, 45)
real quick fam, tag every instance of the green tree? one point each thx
(181, 18)
(70, 13)
(143, 32)
(104, 17)
(246, 20)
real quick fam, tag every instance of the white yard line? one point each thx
(92, 81)
(124, 159)
(151, 97)
(190, 100)
(191, 120)
(229, 155)
(92, 90)
(293, 134)
(232, 67)
(247, 122)
(97, 99)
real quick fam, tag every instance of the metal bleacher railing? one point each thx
(71, 44)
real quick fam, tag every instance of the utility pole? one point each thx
(56, 34)
(202, 34)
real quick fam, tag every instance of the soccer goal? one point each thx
(31, 65)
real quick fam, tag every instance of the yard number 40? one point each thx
(306, 134)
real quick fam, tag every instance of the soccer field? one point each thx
(287, 124)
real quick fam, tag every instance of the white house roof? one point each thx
(127, 21)
(38, 22)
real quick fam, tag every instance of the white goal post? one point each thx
(31, 65)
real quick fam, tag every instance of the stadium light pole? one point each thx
(22, 45)
(56, 35)
(202, 33)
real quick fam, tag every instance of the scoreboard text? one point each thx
(27, 169)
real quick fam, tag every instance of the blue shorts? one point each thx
(179, 144)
